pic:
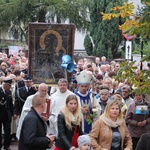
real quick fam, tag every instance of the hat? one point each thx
(7, 80)
(83, 139)
(83, 78)
(104, 91)
(27, 78)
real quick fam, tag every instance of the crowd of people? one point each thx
(93, 112)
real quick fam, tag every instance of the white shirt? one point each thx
(26, 108)
(58, 100)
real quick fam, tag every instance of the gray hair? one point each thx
(126, 87)
(43, 84)
(62, 80)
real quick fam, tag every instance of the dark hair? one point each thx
(16, 59)
(99, 77)
(111, 74)
(10, 55)
(89, 66)
(17, 72)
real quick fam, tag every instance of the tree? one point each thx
(105, 34)
(88, 44)
(137, 25)
(18, 13)
(140, 80)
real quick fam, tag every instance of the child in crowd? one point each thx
(84, 142)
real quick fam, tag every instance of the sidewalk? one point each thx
(14, 145)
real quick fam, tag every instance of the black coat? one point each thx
(64, 134)
(144, 142)
(20, 98)
(33, 133)
(6, 105)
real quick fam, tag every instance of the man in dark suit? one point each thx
(33, 131)
(22, 94)
(6, 112)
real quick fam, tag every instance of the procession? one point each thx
(74, 75)
(89, 107)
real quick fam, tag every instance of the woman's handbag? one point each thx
(75, 136)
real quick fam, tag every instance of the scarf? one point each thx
(111, 123)
(74, 119)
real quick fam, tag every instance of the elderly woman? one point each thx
(109, 131)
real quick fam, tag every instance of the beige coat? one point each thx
(101, 136)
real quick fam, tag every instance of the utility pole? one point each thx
(141, 67)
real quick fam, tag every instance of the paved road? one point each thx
(14, 145)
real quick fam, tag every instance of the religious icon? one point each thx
(141, 109)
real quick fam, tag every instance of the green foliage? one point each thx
(144, 29)
(140, 80)
(106, 35)
(88, 44)
(18, 13)
(91, 118)
(137, 48)
(138, 25)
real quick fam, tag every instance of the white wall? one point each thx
(137, 59)
(79, 41)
